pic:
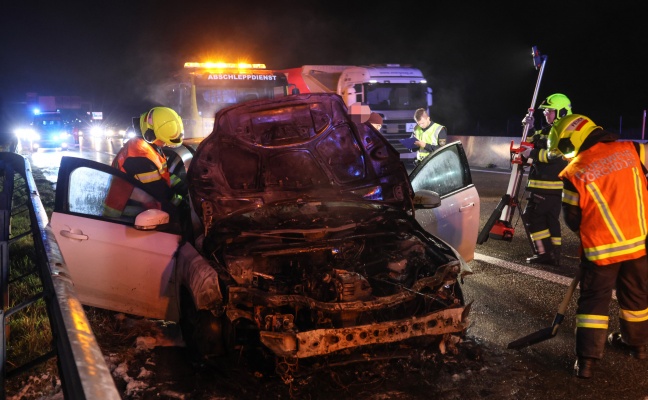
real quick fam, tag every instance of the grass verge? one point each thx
(28, 329)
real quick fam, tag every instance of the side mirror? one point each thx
(426, 199)
(150, 219)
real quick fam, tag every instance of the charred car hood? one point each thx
(297, 148)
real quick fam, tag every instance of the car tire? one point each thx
(241, 338)
(201, 329)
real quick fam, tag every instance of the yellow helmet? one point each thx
(558, 102)
(162, 123)
(568, 134)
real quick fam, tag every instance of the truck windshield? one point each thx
(48, 122)
(211, 97)
(211, 100)
(395, 96)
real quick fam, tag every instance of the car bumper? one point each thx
(324, 341)
(285, 341)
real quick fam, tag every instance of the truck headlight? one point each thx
(96, 131)
(25, 133)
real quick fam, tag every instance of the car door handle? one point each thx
(466, 207)
(71, 235)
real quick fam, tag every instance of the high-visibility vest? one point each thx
(138, 147)
(611, 193)
(543, 174)
(430, 135)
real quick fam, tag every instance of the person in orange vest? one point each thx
(142, 157)
(605, 200)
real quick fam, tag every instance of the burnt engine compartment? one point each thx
(295, 280)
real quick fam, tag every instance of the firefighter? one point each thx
(142, 157)
(544, 188)
(429, 135)
(605, 200)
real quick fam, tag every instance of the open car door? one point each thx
(456, 220)
(112, 264)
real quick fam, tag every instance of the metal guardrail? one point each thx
(82, 369)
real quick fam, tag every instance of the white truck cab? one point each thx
(394, 91)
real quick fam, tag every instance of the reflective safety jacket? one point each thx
(430, 136)
(544, 170)
(148, 164)
(608, 184)
(139, 148)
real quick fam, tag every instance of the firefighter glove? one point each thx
(176, 199)
(526, 152)
(528, 121)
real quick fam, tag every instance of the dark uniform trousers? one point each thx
(596, 285)
(542, 214)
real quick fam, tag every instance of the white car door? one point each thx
(456, 220)
(112, 264)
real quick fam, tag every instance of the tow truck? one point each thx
(203, 88)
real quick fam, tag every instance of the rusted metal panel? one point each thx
(325, 341)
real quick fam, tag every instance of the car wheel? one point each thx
(241, 338)
(201, 330)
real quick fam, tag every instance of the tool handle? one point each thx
(563, 306)
(539, 62)
(569, 294)
(558, 319)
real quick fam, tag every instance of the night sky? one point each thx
(477, 58)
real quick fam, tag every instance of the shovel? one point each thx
(549, 332)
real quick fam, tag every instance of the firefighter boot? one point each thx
(616, 340)
(543, 258)
(539, 250)
(584, 367)
(556, 256)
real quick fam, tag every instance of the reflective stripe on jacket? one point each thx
(138, 147)
(543, 174)
(429, 136)
(613, 227)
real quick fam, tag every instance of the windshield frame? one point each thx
(395, 96)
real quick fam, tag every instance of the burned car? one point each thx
(304, 238)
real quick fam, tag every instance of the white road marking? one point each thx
(523, 269)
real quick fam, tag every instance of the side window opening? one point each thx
(100, 194)
(444, 176)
